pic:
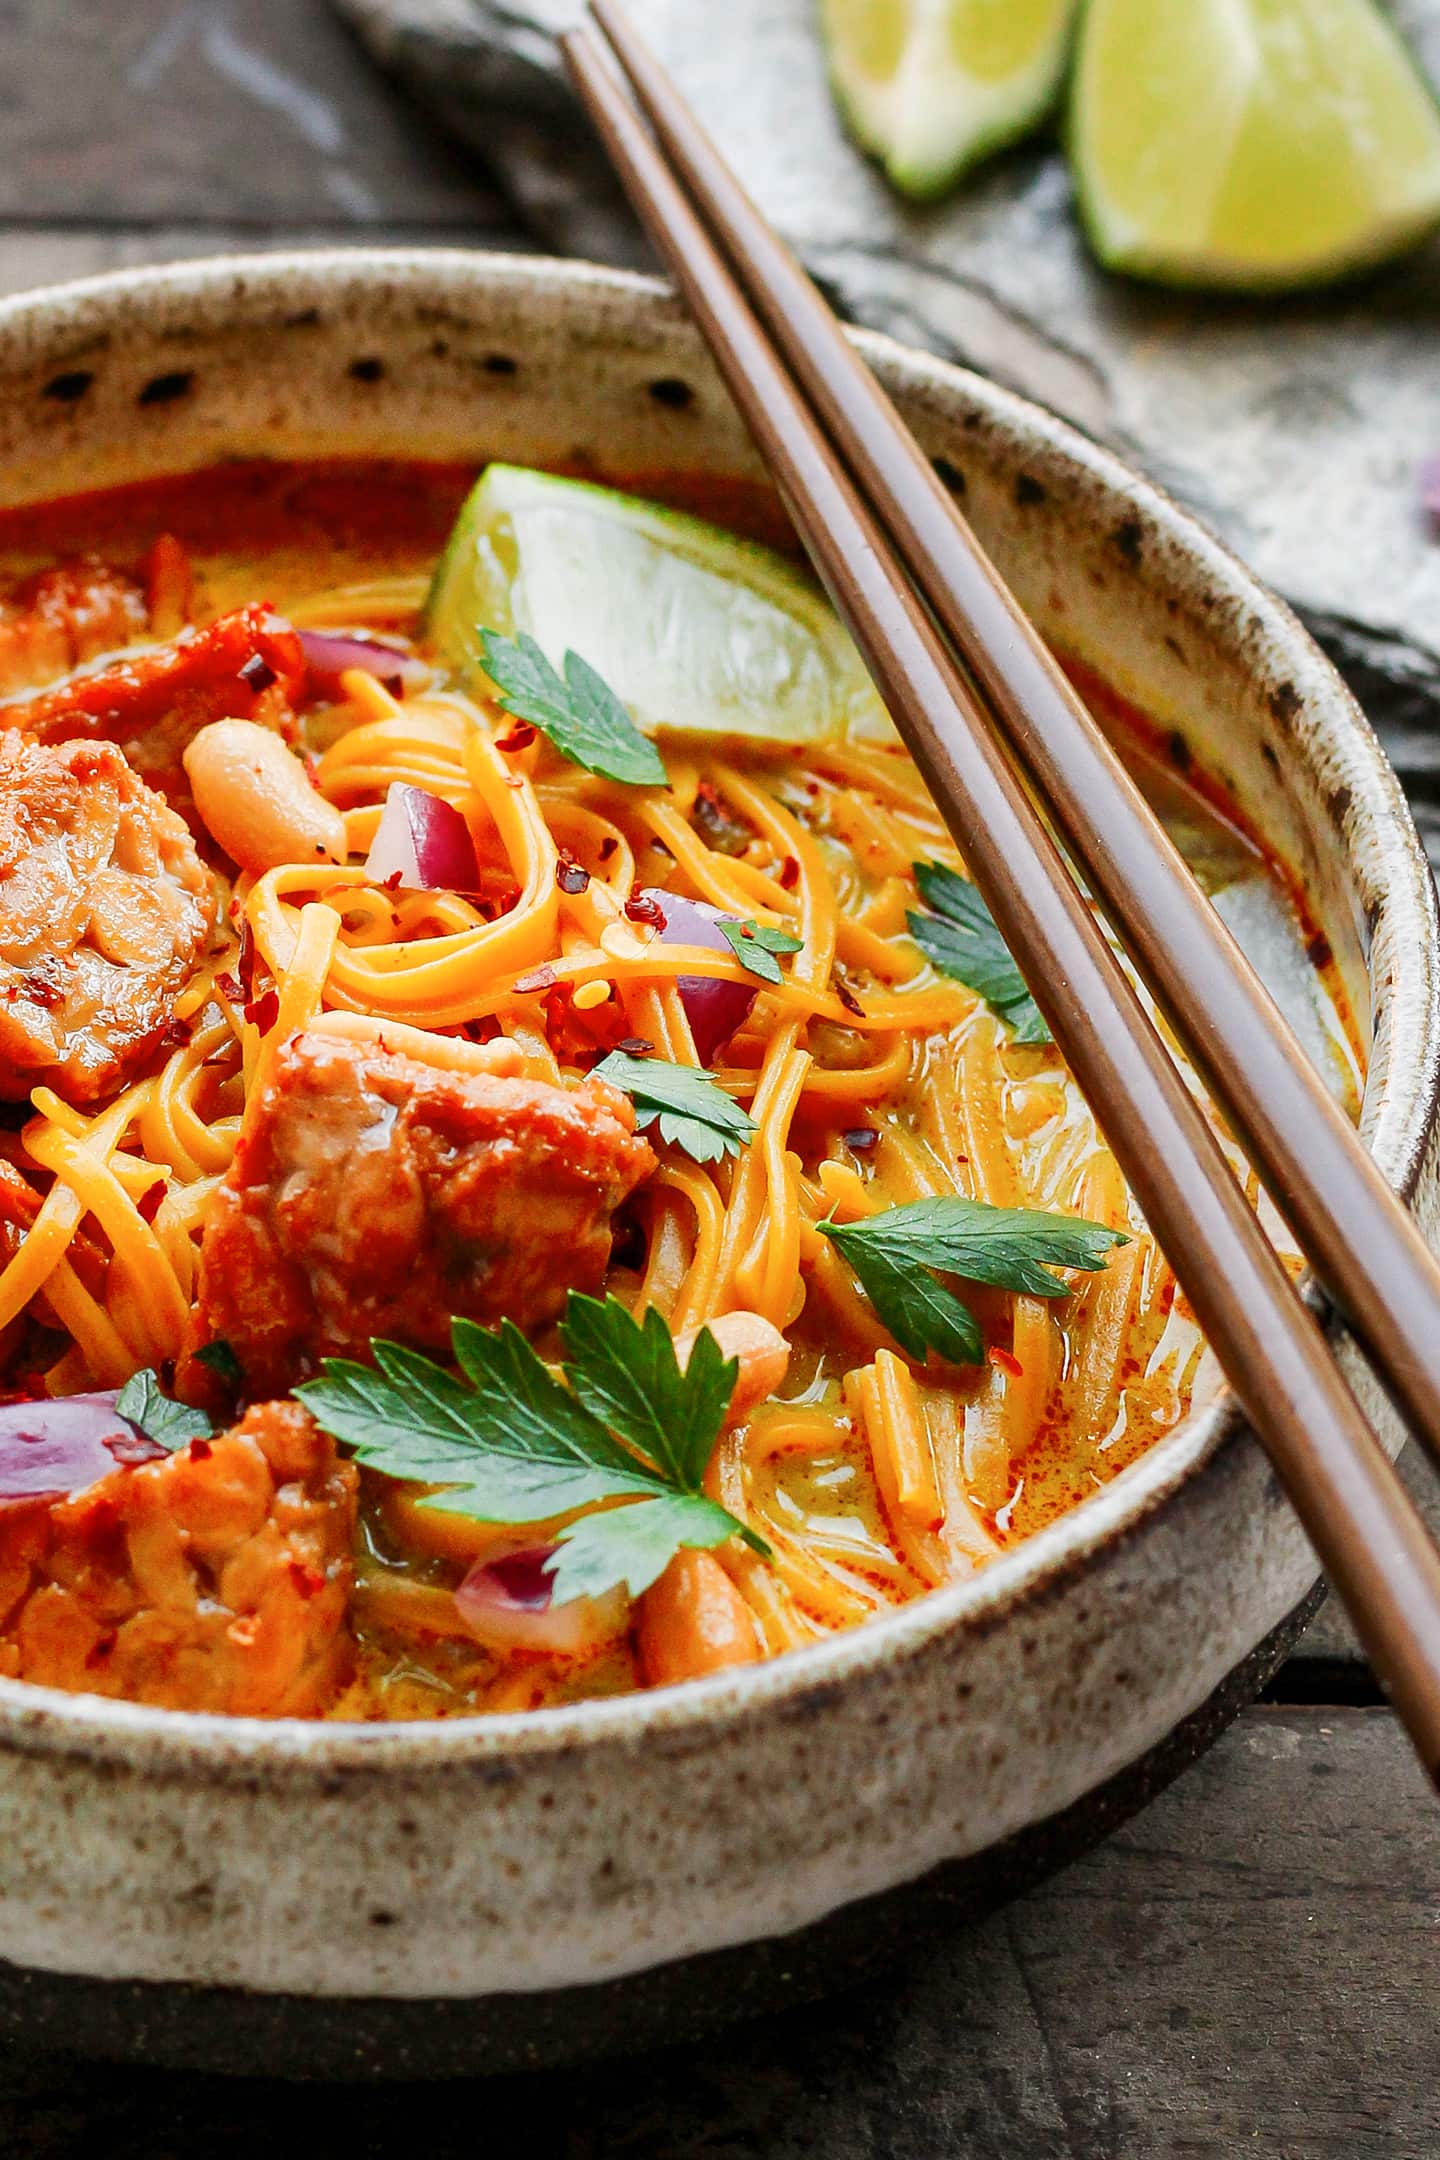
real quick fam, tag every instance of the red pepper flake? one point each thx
(848, 998)
(151, 1200)
(644, 907)
(571, 876)
(541, 978)
(608, 846)
(520, 737)
(200, 1449)
(245, 961)
(227, 986)
(308, 1581)
(263, 1012)
(481, 1031)
(1006, 1362)
(257, 673)
(178, 1034)
(392, 883)
(860, 1139)
(789, 873)
(635, 1045)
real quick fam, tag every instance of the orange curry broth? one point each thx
(262, 531)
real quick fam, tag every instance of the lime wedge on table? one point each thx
(692, 629)
(931, 86)
(1250, 143)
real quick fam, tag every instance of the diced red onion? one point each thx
(508, 1603)
(715, 1008)
(422, 844)
(329, 654)
(1430, 490)
(63, 1443)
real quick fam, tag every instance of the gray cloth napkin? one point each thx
(1293, 427)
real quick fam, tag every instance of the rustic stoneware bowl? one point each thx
(432, 1899)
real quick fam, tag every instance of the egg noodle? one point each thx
(870, 1078)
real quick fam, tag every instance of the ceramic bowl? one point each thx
(332, 1898)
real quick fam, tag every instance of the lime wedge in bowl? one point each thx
(693, 629)
(1251, 144)
(929, 87)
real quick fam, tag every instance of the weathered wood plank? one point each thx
(1248, 1967)
(236, 110)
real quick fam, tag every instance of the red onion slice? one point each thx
(715, 1008)
(507, 1602)
(63, 1443)
(330, 653)
(422, 844)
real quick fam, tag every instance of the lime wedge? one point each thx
(931, 86)
(1250, 143)
(694, 630)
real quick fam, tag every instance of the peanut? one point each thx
(256, 801)
(761, 1349)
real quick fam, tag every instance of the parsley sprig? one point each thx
(755, 945)
(578, 710)
(512, 1444)
(688, 1108)
(961, 939)
(173, 1424)
(894, 1256)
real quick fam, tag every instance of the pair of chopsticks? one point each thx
(920, 598)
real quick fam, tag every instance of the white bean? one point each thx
(256, 801)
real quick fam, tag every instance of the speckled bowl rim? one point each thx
(1398, 1118)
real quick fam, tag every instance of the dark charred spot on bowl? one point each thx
(367, 369)
(949, 475)
(1271, 756)
(494, 1773)
(305, 318)
(66, 388)
(1338, 802)
(382, 1919)
(1374, 909)
(1285, 704)
(439, 348)
(972, 420)
(1318, 950)
(1178, 751)
(1129, 538)
(1178, 649)
(1029, 490)
(500, 363)
(673, 392)
(165, 389)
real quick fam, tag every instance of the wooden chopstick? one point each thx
(1358, 1236)
(1364, 1527)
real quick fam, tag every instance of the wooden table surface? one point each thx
(1251, 1965)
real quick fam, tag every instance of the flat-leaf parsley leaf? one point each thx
(893, 1255)
(962, 940)
(517, 1445)
(578, 711)
(159, 1417)
(755, 945)
(687, 1107)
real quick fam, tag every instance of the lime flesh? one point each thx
(694, 630)
(1250, 143)
(931, 86)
